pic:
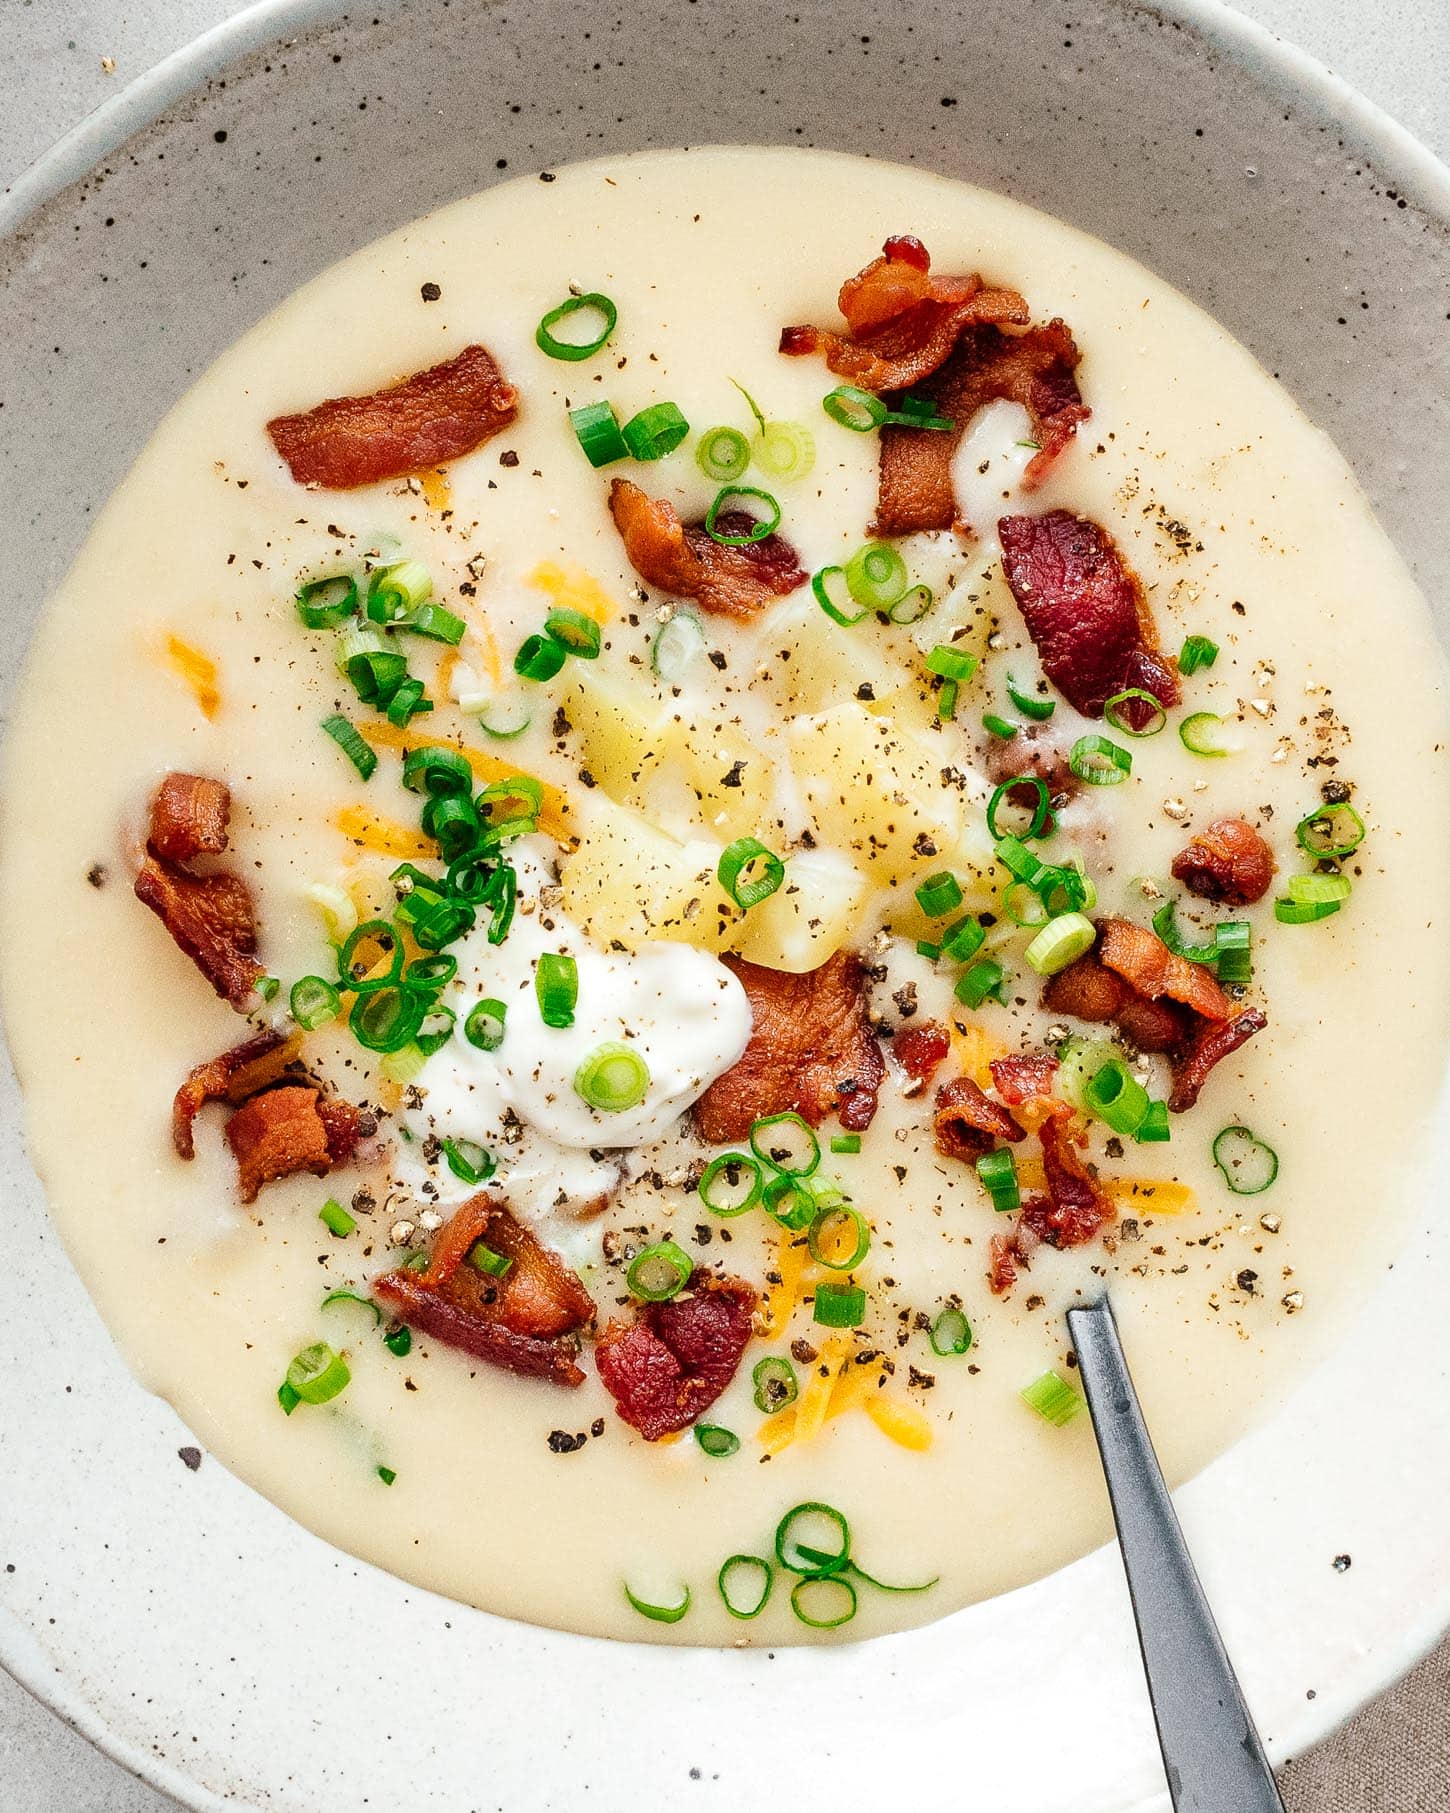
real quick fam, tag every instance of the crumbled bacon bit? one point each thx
(189, 817)
(1036, 369)
(1086, 611)
(1089, 990)
(811, 1050)
(968, 1123)
(1142, 959)
(1210, 1045)
(1024, 1077)
(919, 1050)
(1228, 862)
(526, 1322)
(232, 1076)
(421, 422)
(685, 561)
(287, 1129)
(671, 1363)
(1076, 1209)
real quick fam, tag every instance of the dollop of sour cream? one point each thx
(679, 1008)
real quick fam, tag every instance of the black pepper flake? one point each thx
(508, 457)
(430, 292)
(1342, 1564)
(596, 1428)
(561, 1442)
(802, 1351)
(717, 659)
(191, 1460)
(733, 778)
(1248, 1281)
(96, 875)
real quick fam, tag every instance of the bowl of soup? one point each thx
(679, 794)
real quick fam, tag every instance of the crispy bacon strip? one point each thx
(1089, 990)
(1074, 1210)
(1085, 610)
(968, 1123)
(1142, 959)
(920, 1050)
(291, 1128)
(1036, 369)
(811, 1050)
(232, 1076)
(902, 322)
(1228, 862)
(526, 1322)
(1210, 1045)
(684, 561)
(189, 817)
(1024, 1077)
(671, 1363)
(421, 422)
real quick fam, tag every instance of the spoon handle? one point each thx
(1211, 1752)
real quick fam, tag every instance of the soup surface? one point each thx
(861, 758)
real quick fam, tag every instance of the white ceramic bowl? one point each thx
(184, 1623)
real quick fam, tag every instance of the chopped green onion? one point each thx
(436, 1027)
(723, 454)
(1041, 810)
(655, 431)
(1135, 712)
(376, 674)
(335, 1218)
(612, 1078)
(1204, 733)
(1304, 912)
(951, 1334)
(431, 975)
(407, 702)
(998, 1172)
(744, 1603)
(999, 727)
(512, 806)
(786, 1142)
(468, 1161)
(350, 741)
(984, 978)
(287, 1398)
(659, 1272)
(367, 946)
(574, 350)
(919, 412)
(676, 646)
(386, 1475)
(824, 1602)
(785, 450)
(578, 632)
(314, 1002)
(1233, 941)
(317, 1374)
(506, 718)
(812, 1559)
(718, 1443)
(1153, 1128)
(925, 948)
(845, 1142)
(404, 1065)
(1066, 889)
(776, 1386)
(1197, 651)
(1165, 924)
(1116, 1096)
(268, 986)
(596, 428)
(946, 701)
(916, 602)
(1099, 761)
(484, 1259)
(437, 624)
(399, 1342)
(855, 409)
(324, 603)
(1249, 1165)
(484, 1027)
(759, 530)
(556, 984)
(356, 1300)
(939, 894)
(961, 941)
(1018, 860)
(790, 1202)
(1030, 704)
(1319, 889)
(876, 575)
(737, 1169)
(438, 771)
(1078, 1061)
(840, 1305)
(837, 614)
(1060, 942)
(658, 1614)
(1053, 1399)
(840, 1218)
(540, 657)
(385, 1019)
(1330, 831)
(395, 591)
(741, 856)
(453, 824)
(951, 663)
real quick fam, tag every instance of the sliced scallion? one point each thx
(974, 985)
(1053, 1399)
(723, 454)
(951, 1334)
(659, 1272)
(839, 1305)
(802, 1535)
(776, 1386)
(355, 1301)
(951, 663)
(1060, 942)
(759, 530)
(352, 744)
(655, 431)
(318, 1374)
(749, 873)
(876, 576)
(846, 614)
(839, 1238)
(1249, 1164)
(594, 304)
(1331, 831)
(506, 718)
(939, 894)
(484, 1027)
(1197, 651)
(744, 1583)
(1038, 816)
(1206, 733)
(396, 591)
(998, 1172)
(785, 450)
(484, 1259)
(718, 1443)
(824, 1602)
(786, 1142)
(855, 409)
(1115, 1096)
(556, 985)
(539, 657)
(335, 1218)
(1135, 712)
(1099, 761)
(613, 1078)
(325, 603)
(732, 1184)
(596, 428)
(1002, 728)
(845, 1142)
(469, 1162)
(314, 1002)
(1030, 704)
(658, 1614)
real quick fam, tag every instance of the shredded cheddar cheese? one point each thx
(573, 589)
(447, 661)
(437, 492)
(374, 832)
(975, 1050)
(773, 1317)
(199, 672)
(1150, 1195)
(810, 1411)
(907, 1426)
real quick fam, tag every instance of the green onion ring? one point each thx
(815, 1586)
(659, 1614)
(723, 454)
(854, 1219)
(762, 528)
(1041, 812)
(741, 855)
(356, 973)
(828, 604)
(745, 1563)
(759, 1144)
(574, 350)
(1323, 833)
(722, 1165)
(1135, 697)
(1249, 1164)
(951, 1334)
(788, 1545)
(775, 1382)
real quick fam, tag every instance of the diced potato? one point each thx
(827, 662)
(731, 778)
(629, 881)
(874, 788)
(815, 911)
(625, 739)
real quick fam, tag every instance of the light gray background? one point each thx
(52, 74)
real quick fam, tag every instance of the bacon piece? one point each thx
(1228, 862)
(291, 1128)
(686, 562)
(526, 1322)
(1023, 1078)
(1002, 1267)
(1085, 610)
(1089, 990)
(232, 1076)
(189, 817)
(967, 1123)
(671, 1363)
(1141, 958)
(210, 918)
(421, 422)
(1210, 1044)
(1076, 1208)
(902, 322)
(1036, 369)
(919, 1050)
(811, 1050)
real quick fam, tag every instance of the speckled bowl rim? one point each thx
(1417, 173)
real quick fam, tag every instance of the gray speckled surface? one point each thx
(51, 56)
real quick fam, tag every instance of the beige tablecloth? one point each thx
(1394, 1758)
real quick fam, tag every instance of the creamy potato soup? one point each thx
(697, 792)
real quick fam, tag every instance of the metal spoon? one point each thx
(1211, 1752)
